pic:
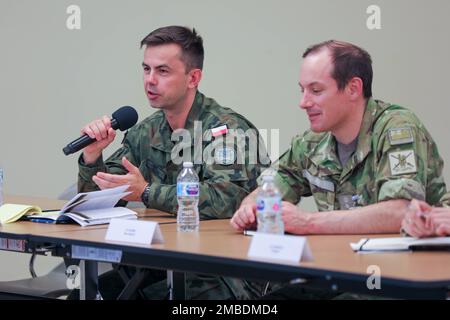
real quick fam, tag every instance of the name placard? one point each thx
(279, 248)
(134, 231)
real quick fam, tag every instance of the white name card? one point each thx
(134, 231)
(279, 247)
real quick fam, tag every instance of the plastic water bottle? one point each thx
(188, 191)
(268, 207)
(1, 186)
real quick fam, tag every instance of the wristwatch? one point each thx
(144, 195)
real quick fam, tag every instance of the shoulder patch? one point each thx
(400, 136)
(402, 162)
(224, 156)
(218, 131)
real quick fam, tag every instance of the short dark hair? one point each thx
(191, 44)
(349, 61)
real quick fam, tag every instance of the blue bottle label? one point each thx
(188, 189)
(268, 204)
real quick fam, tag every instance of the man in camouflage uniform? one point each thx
(362, 160)
(149, 161)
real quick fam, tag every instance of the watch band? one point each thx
(145, 194)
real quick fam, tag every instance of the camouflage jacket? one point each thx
(395, 158)
(226, 175)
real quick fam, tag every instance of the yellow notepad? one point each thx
(13, 212)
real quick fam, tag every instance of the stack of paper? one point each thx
(13, 212)
(89, 208)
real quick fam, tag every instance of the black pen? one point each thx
(430, 247)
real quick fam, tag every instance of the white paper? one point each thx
(96, 199)
(279, 247)
(134, 231)
(396, 243)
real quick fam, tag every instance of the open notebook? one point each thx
(402, 244)
(89, 208)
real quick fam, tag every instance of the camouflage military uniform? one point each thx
(148, 146)
(223, 184)
(395, 158)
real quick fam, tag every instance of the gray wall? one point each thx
(53, 80)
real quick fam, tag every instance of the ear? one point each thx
(354, 88)
(195, 75)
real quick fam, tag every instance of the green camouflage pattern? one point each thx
(148, 146)
(206, 287)
(311, 165)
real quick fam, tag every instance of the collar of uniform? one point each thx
(163, 139)
(365, 133)
(364, 146)
(196, 133)
(324, 154)
(195, 112)
(160, 136)
(324, 157)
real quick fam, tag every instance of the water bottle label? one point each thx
(1, 175)
(188, 189)
(268, 204)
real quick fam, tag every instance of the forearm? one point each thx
(382, 217)
(250, 199)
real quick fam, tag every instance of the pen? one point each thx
(41, 220)
(249, 232)
(430, 247)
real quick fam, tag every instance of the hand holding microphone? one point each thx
(98, 134)
(102, 134)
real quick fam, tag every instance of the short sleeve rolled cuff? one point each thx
(286, 190)
(287, 193)
(402, 188)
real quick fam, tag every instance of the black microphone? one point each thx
(123, 119)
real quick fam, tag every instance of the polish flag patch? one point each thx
(219, 130)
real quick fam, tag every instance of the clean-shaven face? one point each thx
(165, 77)
(326, 106)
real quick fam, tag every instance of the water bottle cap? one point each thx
(187, 164)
